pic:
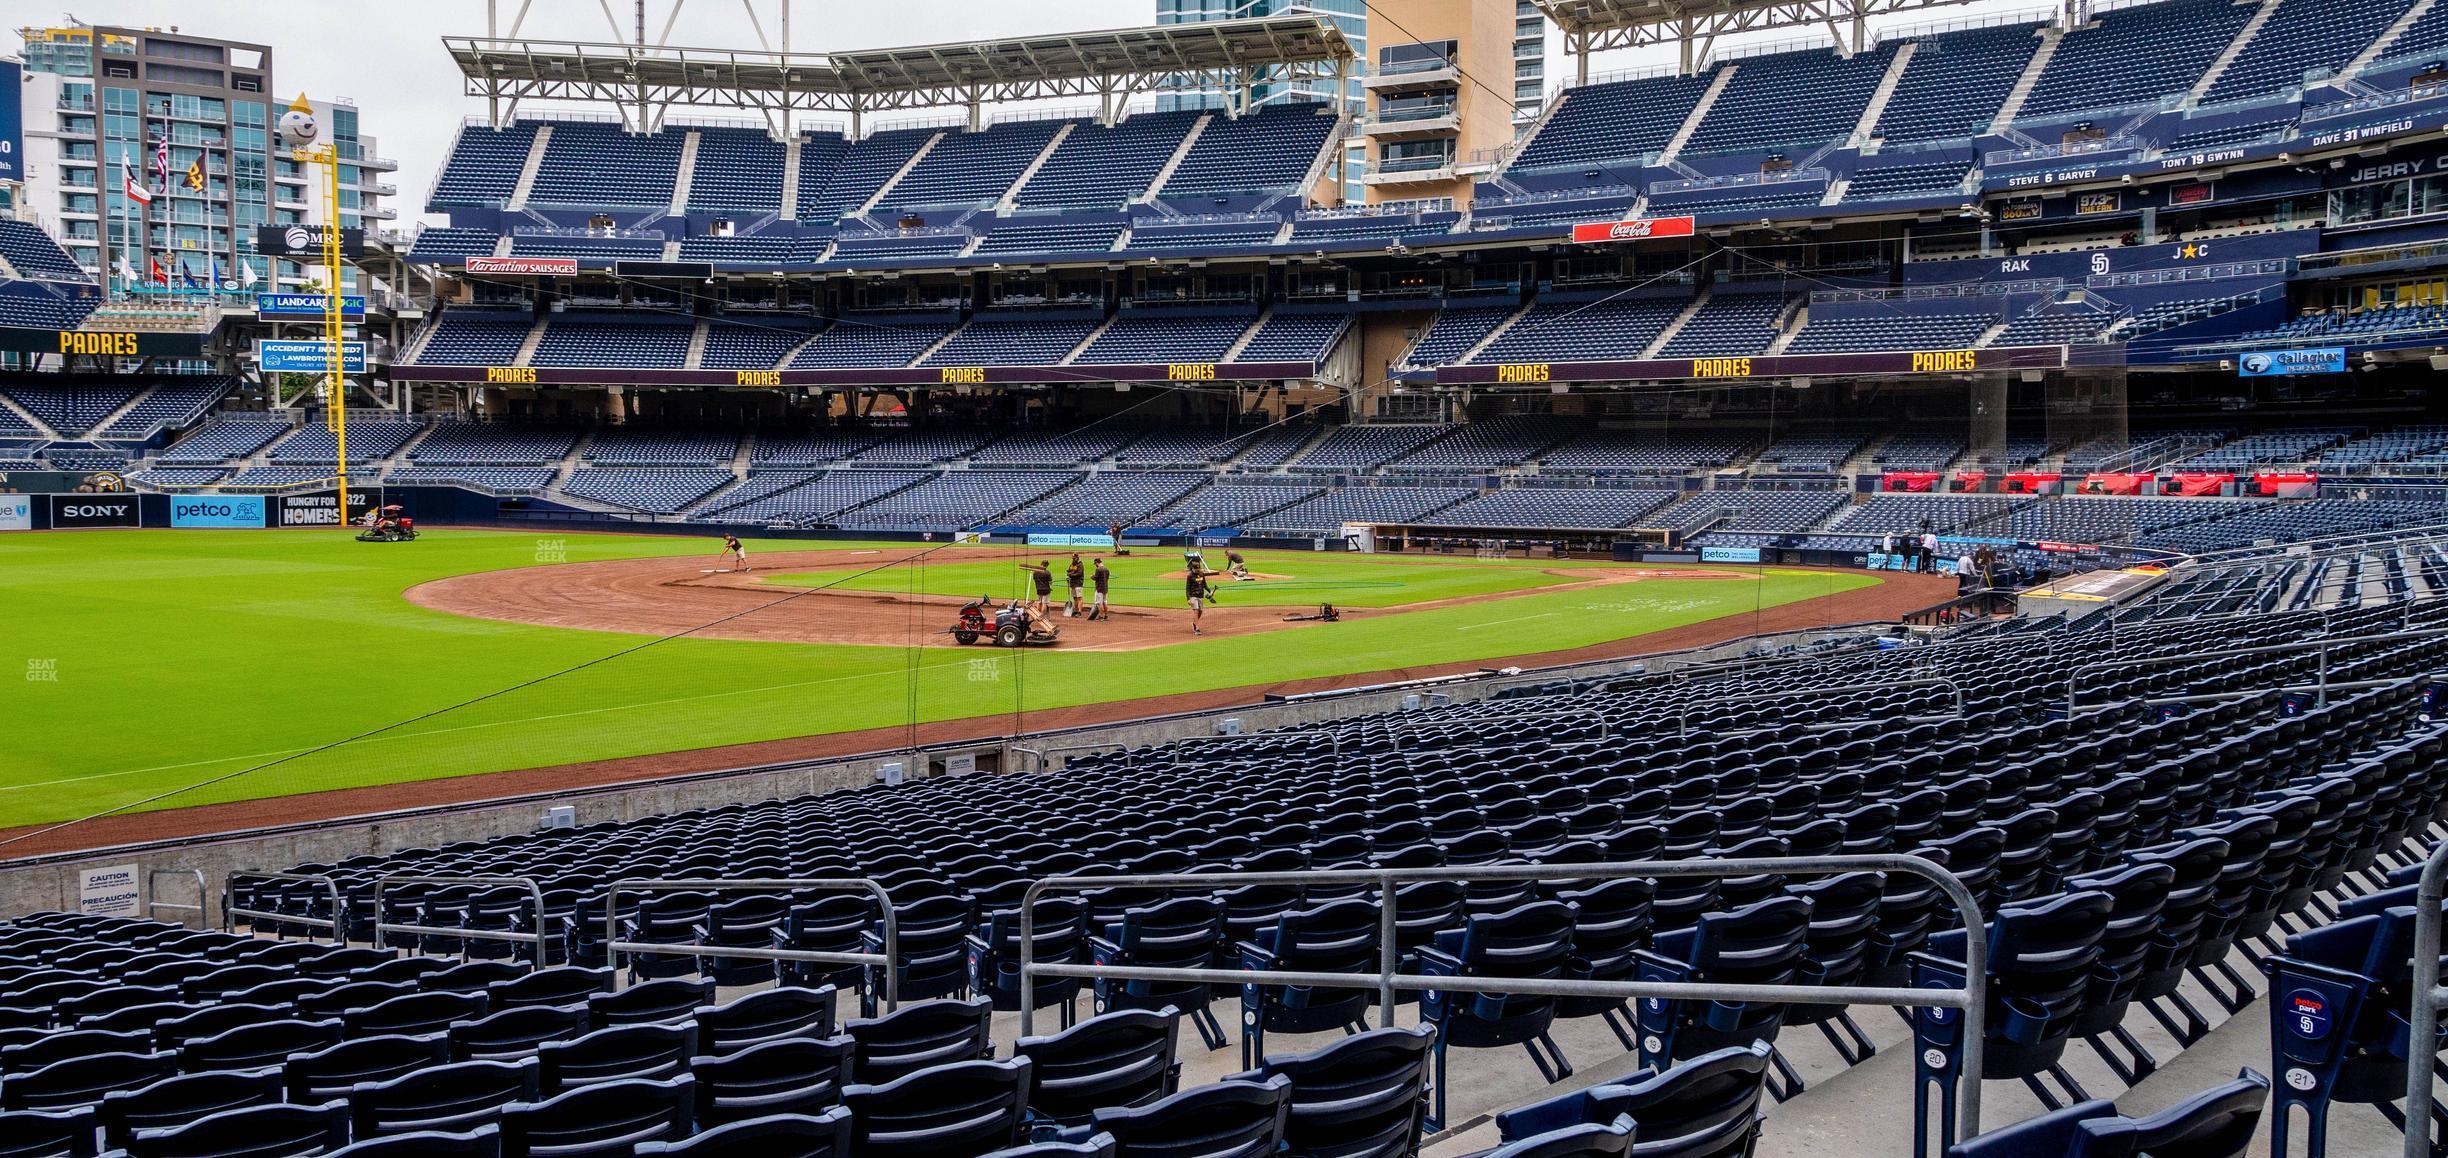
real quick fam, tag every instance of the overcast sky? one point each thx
(387, 54)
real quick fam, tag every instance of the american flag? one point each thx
(161, 157)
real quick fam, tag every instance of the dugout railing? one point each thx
(203, 894)
(890, 924)
(1971, 1000)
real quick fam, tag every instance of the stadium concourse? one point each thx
(2059, 393)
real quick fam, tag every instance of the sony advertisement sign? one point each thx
(78, 511)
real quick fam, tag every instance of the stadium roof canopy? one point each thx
(646, 81)
(1600, 25)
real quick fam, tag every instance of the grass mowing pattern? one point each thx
(175, 656)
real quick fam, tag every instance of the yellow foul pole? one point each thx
(299, 129)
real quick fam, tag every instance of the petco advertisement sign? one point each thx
(321, 510)
(222, 511)
(77, 511)
(2279, 363)
(16, 512)
(1599, 232)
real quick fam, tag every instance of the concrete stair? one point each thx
(1699, 113)
(527, 346)
(790, 177)
(2234, 49)
(527, 172)
(1173, 162)
(686, 178)
(1879, 96)
(1011, 196)
(695, 359)
(1676, 326)
(877, 198)
(2049, 40)
(2380, 45)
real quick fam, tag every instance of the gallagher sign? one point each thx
(1600, 232)
(2279, 363)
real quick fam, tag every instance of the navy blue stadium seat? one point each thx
(1761, 944)
(653, 1003)
(446, 1099)
(825, 1135)
(320, 1075)
(768, 1015)
(789, 1076)
(1123, 1058)
(481, 1142)
(618, 1053)
(2041, 958)
(1229, 1119)
(173, 1102)
(962, 1108)
(1362, 1097)
(1337, 937)
(610, 1118)
(1060, 931)
(515, 1033)
(1533, 941)
(256, 1130)
(2217, 1123)
(920, 1035)
(1176, 933)
(48, 1134)
(76, 1082)
(1706, 1107)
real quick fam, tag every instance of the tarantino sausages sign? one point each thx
(321, 510)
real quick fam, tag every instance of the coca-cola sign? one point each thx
(1647, 227)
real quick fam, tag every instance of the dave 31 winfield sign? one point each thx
(1647, 227)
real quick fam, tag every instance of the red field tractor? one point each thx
(1012, 626)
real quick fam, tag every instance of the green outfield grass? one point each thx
(153, 660)
(1153, 578)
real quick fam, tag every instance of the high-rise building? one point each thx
(192, 119)
(1349, 15)
(1529, 61)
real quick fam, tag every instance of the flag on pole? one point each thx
(195, 174)
(246, 275)
(136, 191)
(154, 267)
(161, 157)
(212, 272)
(127, 272)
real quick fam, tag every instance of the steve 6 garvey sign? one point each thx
(1646, 227)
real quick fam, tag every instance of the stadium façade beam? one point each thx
(1591, 26)
(646, 81)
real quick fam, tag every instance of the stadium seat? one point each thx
(444, 1099)
(174, 1102)
(481, 1142)
(1704, 1107)
(824, 1135)
(650, 1053)
(1365, 1096)
(802, 1075)
(1533, 941)
(957, 1108)
(1337, 937)
(920, 1035)
(272, 1129)
(1123, 1058)
(2217, 1123)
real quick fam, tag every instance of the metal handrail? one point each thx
(2319, 646)
(1043, 756)
(2427, 997)
(1683, 710)
(1583, 711)
(203, 894)
(535, 892)
(1972, 999)
(338, 935)
(612, 944)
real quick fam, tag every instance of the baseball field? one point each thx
(164, 669)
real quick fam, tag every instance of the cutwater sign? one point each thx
(2279, 363)
(308, 306)
(295, 357)
(222, 511)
